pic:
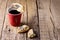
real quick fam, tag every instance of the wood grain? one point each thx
(43, 16)
(2, 15)
(45, 23)
(33, 18)
(55, 8)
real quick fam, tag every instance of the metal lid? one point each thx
(16, 6)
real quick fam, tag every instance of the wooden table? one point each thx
(41, 15)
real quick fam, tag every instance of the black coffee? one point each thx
(14, 12)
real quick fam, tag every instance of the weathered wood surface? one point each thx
(41, 15)
(33, 18)
(45, 21)
(2, 15)
(55, 9)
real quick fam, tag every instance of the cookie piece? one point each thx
(23, 29)
(31, 33)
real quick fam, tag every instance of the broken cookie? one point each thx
(31, 33)
(23, 29)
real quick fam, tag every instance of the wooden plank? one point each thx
(45, 23)
(56, 14)
(2, 14)
(9, 32)
(33, 18)
(23, 21)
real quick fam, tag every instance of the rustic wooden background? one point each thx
(41, 15)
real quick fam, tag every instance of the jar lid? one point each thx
(16, 6)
